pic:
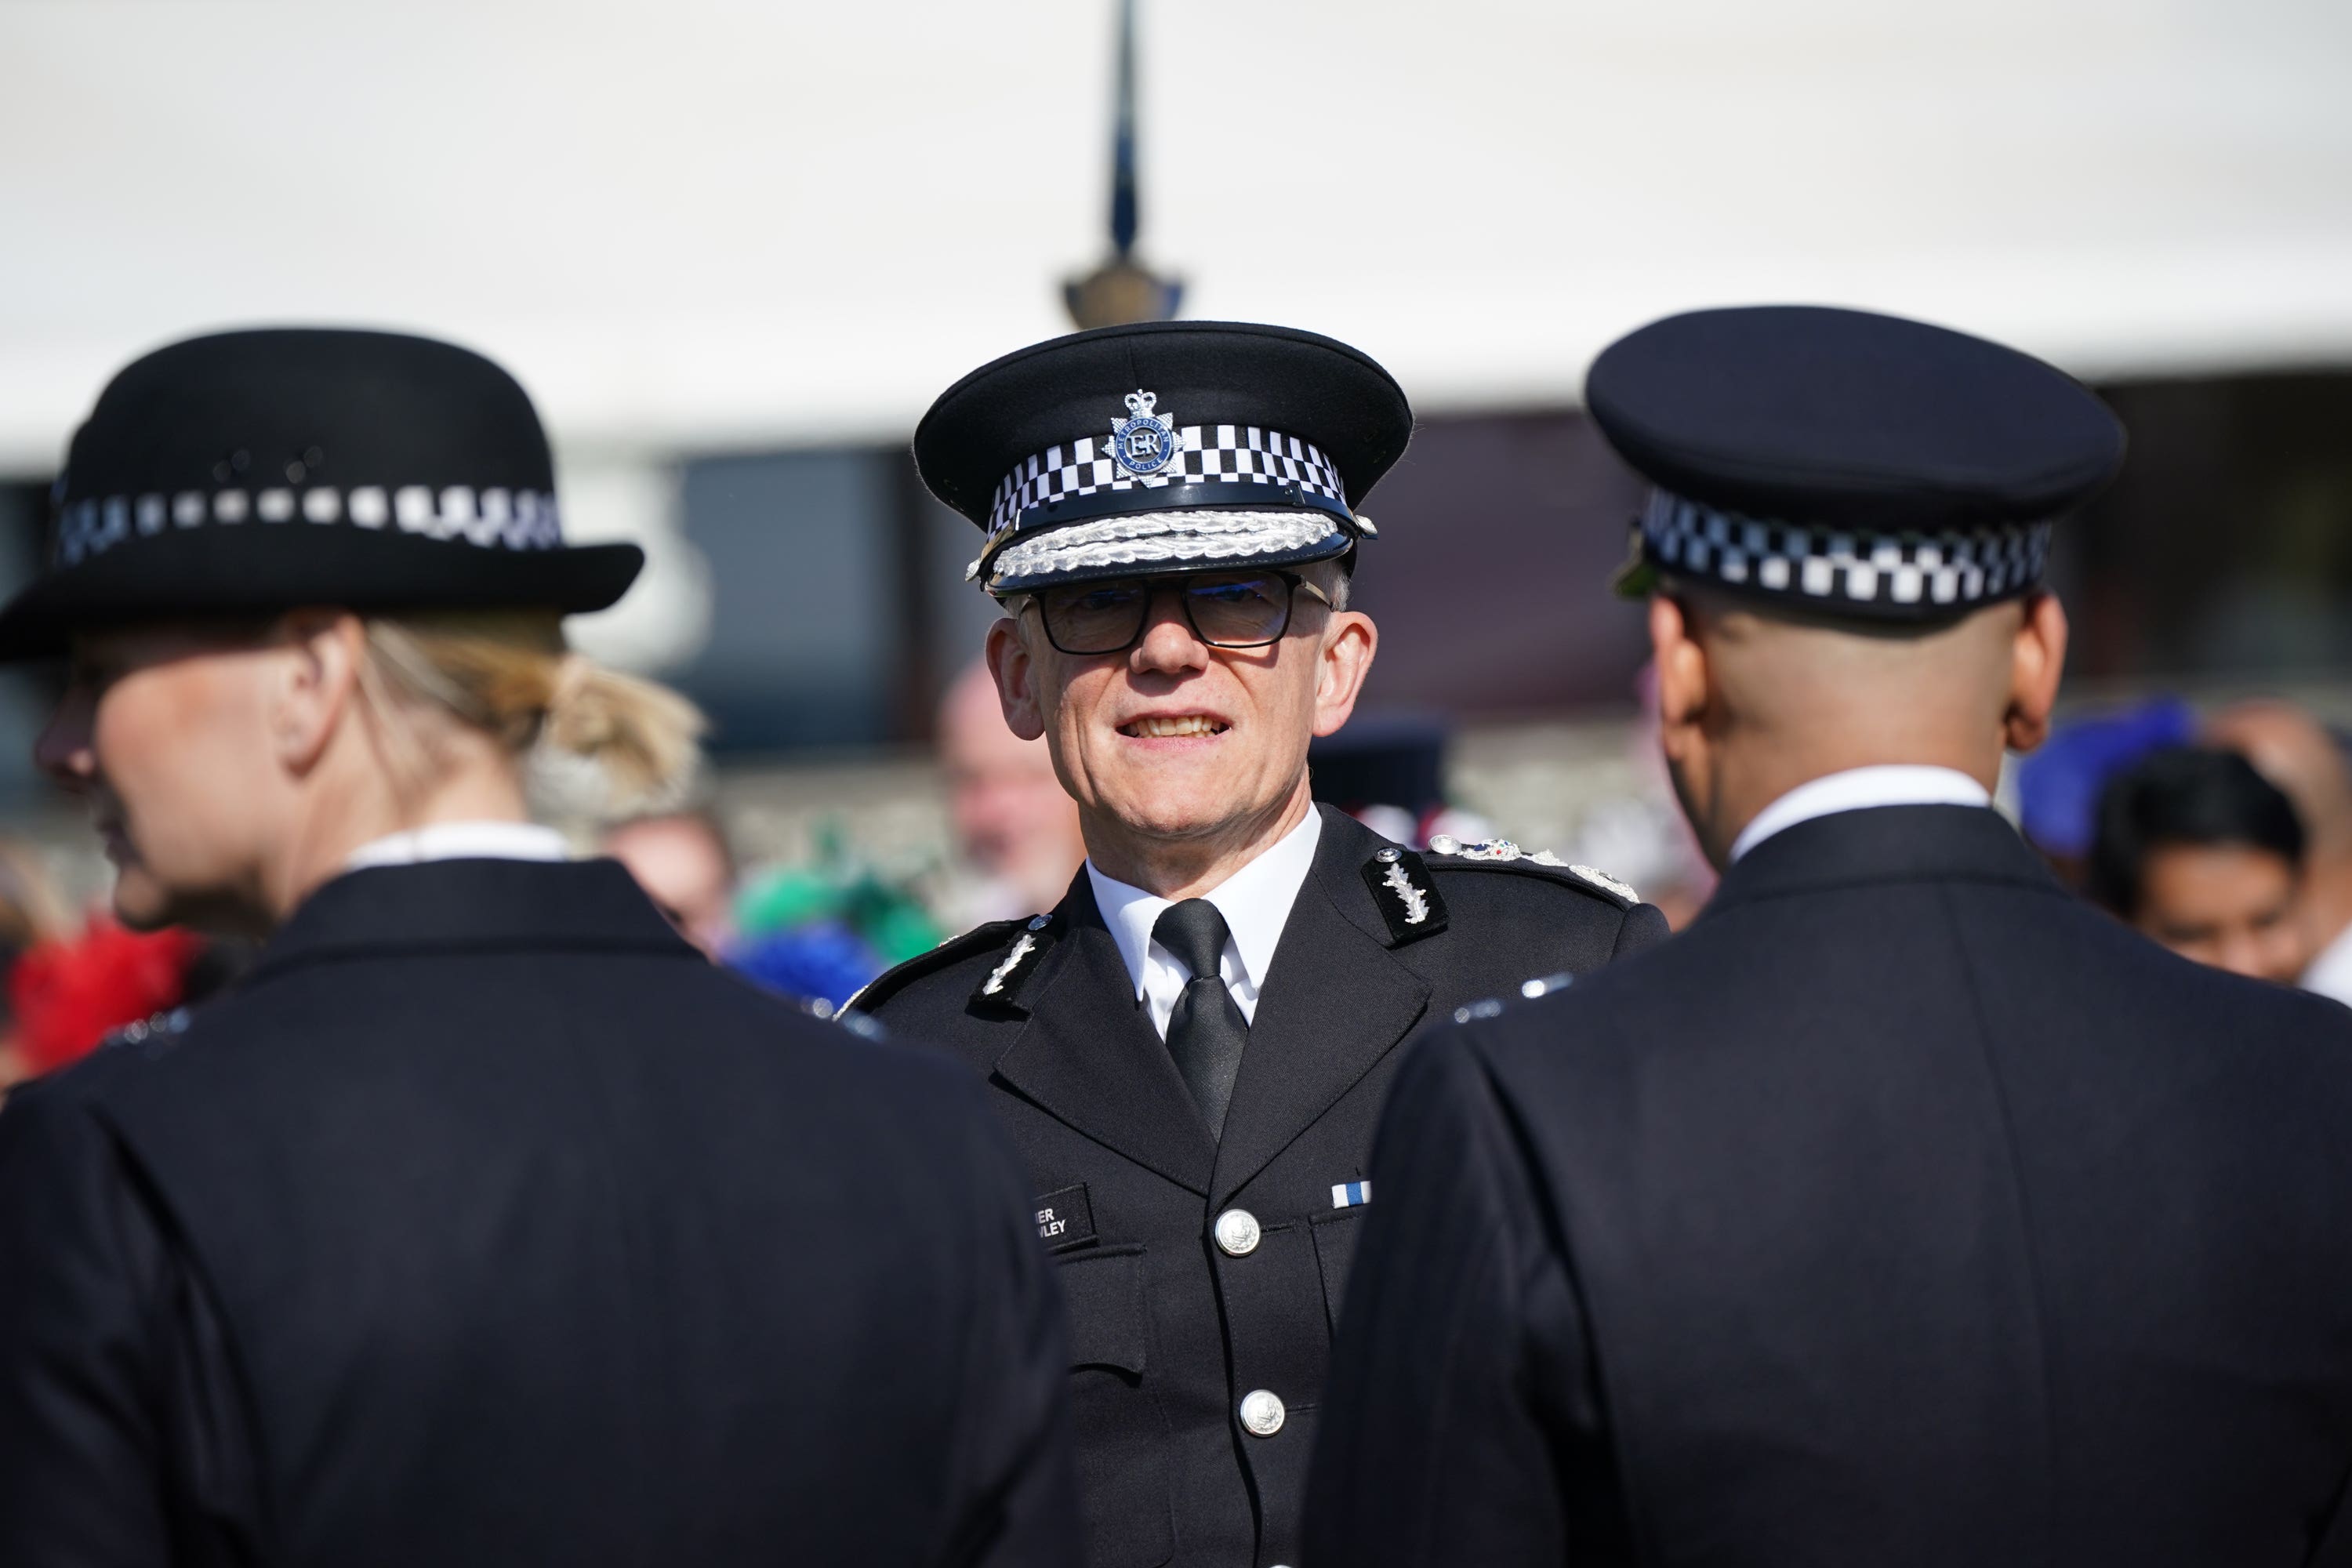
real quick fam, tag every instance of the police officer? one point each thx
(485, 1221)
(1191, 1048)
(1904, 1209)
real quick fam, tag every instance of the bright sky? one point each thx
(692, 226)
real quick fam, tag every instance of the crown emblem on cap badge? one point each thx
(1146, 443)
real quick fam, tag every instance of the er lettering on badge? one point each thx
(1066, 1217)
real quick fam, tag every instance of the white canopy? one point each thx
(694, 225)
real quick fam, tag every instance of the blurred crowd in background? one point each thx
(2224, 832)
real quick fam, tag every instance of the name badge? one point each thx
(1066, 1217)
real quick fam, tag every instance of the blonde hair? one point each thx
(510, 675)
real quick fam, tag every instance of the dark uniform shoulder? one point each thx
(1000, 943)
(117, 1058)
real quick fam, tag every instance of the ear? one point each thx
(2037, 663)
(1685, 681)
(1017, 678)
(1348, 643)
(315, 683)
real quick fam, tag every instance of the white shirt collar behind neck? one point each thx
(2330, 974)
(1856, 789)
(461, 841)
(1256, 901)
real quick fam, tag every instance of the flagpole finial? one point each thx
(1123, 290)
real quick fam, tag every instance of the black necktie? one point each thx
(1206, 1031)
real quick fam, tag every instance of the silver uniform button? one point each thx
(1237, 1233)
(1262, 1412)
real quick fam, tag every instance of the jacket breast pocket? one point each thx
(1334, 1249)
(1125, 1479)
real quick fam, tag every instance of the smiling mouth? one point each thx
(1172, 728)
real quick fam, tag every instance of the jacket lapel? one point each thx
(1089, 1057)
(1335, 1002)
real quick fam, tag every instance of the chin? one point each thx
(141, 905)
(1174, 814)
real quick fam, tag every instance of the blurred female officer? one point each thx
(484, 1222)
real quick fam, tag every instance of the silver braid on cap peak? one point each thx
(492, 517)
(1153, 537)
(1955, 567)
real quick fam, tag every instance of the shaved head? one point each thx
(1755, 701)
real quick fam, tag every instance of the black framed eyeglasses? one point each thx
(1224, 609)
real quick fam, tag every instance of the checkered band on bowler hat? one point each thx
(515, 520)
(254, 471)
(1162, 447)
(1847, 463)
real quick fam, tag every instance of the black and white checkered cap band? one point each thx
(1958, 568)
(494, 518)
(1204, 453)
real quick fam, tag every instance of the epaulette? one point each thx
(151, 1037)
(1542, 985)
(1404, 885)
(1022, 942)
(1501, 854)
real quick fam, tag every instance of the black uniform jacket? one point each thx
(486, 1223)
(1169, 1332)
(1903, 1210)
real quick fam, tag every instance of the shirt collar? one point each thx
(1856, 789)
(1256, 901)
(461, 841)
(2330, 973)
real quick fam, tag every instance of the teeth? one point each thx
(1165, 729)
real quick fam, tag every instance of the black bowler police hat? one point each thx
(1166, 446)
(254, 471)
(1856, 465)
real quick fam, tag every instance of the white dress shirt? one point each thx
(2330, 974)
(1256, 901)
(461, 841)
(1856, 789)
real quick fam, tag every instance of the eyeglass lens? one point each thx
(1241, 611)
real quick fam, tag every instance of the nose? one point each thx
(62, 750)
(1168, 644)
(2241, 954)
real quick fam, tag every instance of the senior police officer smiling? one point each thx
(1191, 1048)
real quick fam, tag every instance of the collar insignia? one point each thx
(1145, 442)
(1019, 960)
(1408, 899)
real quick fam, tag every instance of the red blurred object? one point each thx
(69, 996)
